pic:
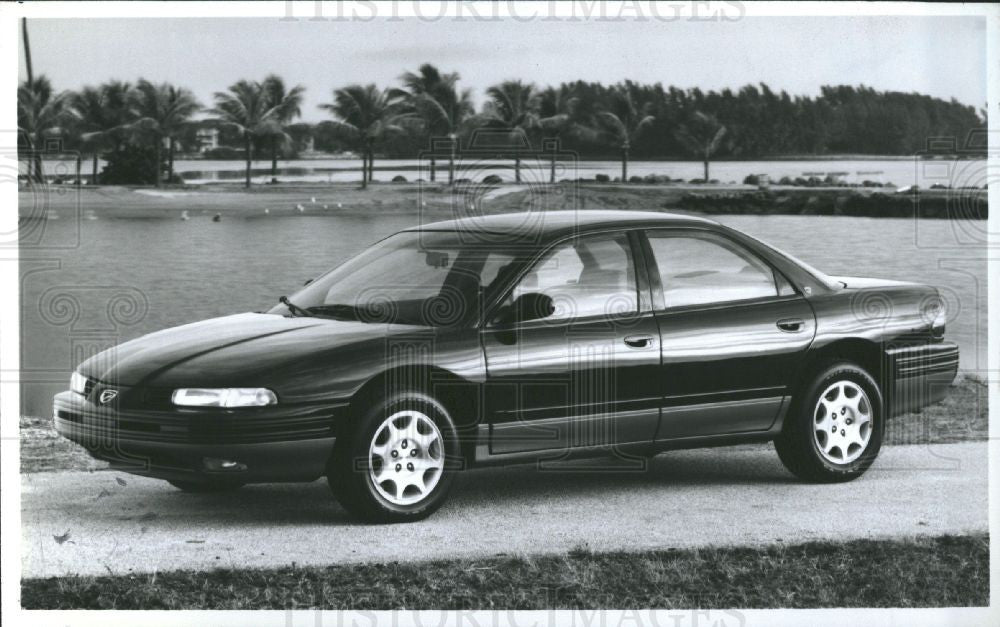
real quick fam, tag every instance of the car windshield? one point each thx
(427, 278)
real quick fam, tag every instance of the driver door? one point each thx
(585, 374)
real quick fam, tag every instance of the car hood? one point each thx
(242, 350)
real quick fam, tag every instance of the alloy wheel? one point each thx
(842, 425)
(406, 457)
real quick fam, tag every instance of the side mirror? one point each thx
(530, 306)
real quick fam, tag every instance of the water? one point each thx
(900, 171)
(121, 278)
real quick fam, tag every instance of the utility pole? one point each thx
(27, 50)
(31, 82)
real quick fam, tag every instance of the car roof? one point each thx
(541, 226)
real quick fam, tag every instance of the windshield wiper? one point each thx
(349, 312)
(294, 309)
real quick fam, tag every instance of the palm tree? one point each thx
(426, 92)
(513, 107)
(102, 114)
(366, 114)
(554, 117)
(625, 121)
(448, 112)
(702, 136)
(40, 112)
(289, 104)
(247, 107)
(164, 111)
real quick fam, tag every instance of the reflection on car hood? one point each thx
(240, 350)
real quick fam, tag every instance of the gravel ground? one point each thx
(105, 522)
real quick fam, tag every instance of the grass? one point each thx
(44, 450)
(947, 571)
(961, 417)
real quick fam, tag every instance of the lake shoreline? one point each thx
(925, 170)
(438, 201)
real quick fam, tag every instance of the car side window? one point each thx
(703, 269)
(587, 276)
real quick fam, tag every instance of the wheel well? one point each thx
(864, 353)
(460, 398)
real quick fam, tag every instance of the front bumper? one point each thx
(291, 443)
(921, 375)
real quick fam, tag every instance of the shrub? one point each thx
(635, 179)
(751, 179)
(657, 178)
(602, 178)
(130, 165)
(399, 178)
(492, 179)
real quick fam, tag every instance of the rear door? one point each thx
(732, 332)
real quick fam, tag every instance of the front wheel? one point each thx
(392, 465)
(834, 429)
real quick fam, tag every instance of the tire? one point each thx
(401, 473)
(825, 438)
(198, 487)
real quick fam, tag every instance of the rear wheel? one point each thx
(392, 464)
(834, 429)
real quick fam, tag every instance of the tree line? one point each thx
(145, 124)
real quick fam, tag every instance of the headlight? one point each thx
(223, 397)
(78, 383)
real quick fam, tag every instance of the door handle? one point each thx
(790, 325)
(638, 341)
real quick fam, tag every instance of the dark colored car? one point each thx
(519, 337)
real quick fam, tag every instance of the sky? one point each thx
(940, 56)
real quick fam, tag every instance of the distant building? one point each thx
(309, 145)
(208, 139)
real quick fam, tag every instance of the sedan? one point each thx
(533, 337)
